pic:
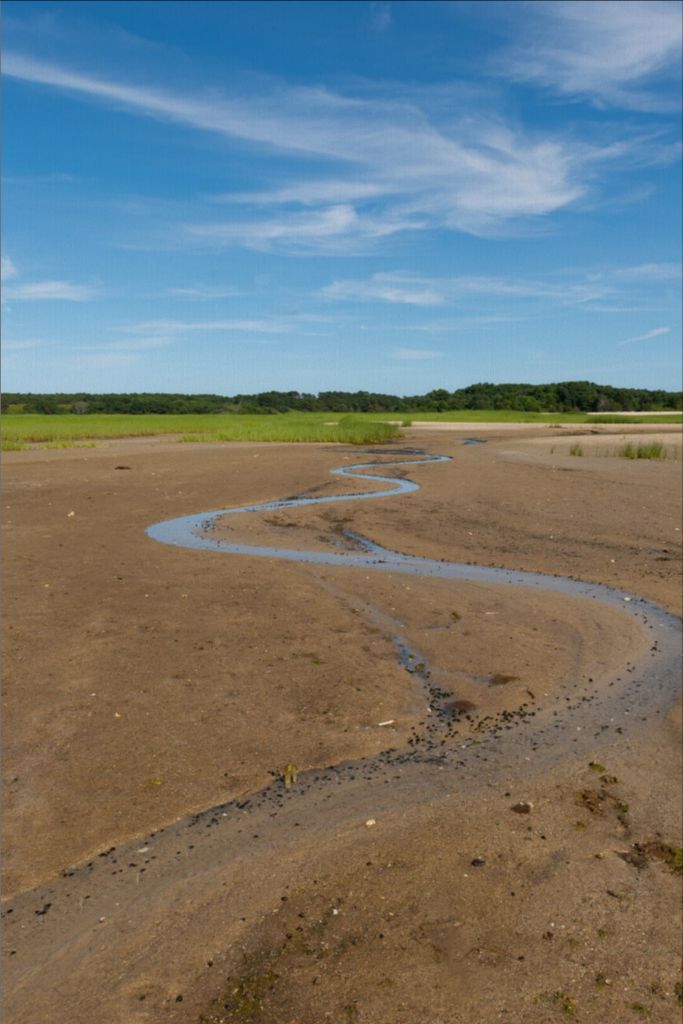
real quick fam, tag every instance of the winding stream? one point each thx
(641, 691)
(195, 531)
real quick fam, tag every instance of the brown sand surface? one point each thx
(144, 683)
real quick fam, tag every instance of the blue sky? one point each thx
(234, 197)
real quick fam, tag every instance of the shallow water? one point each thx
(195, 531)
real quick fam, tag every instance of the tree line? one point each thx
(567, 396)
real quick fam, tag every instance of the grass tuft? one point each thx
(653, 450)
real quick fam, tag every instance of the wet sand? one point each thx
(196, 704)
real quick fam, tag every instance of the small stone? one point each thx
(524, 807)
(370, 822)
(478, 862)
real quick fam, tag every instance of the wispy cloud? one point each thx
(395, 163)
(608, 290)
(400, 288)
(41, 291)
(21, 344)
(336, 228)
(651, 272)
(413, 289)
(8, 269)
(381, 16)
(307, 193)
(140, 344)
(415, 353)
(175, 327)
(655, 333)
(202, 292)
(613, 53)
(452, 325)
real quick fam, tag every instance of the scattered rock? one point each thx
(523, 807)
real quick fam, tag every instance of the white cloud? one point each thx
(308, 193)
(21, 345)
(611, 51)
(202, 292)
(167, 328)
(333, 227)
(388, 288)
(651, 272)
(8, 269)
(415, 353)
(655, 333)
(129, 344)
(48, 290)
(382, 18)
(413, 289)
(394, 164)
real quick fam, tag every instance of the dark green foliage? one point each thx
(568, 396)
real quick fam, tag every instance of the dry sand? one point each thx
(145, 683)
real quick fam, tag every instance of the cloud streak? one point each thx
(43, 291)
(8, 269)
(413, 289)
(610, 290)
(167, 328)
(657, 332)
(614, 54)
(334, 228)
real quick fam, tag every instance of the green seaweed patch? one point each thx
(244, 1003)
(566, 1004)
(596, 801)
(641, 854)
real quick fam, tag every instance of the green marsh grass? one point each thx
(516, 416)
(63, 430)
(672, 417)
(357, 428)
(576, 449)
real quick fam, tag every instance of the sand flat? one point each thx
(176, 680)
